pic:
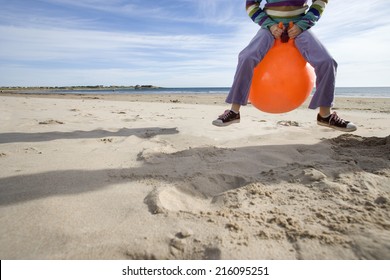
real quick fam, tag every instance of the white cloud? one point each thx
(358, 36)
(119, 57)
(73, 49)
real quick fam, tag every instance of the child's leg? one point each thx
(247, 61)
(325, 69)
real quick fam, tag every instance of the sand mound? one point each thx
(337, 200)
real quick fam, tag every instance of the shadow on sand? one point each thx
(19, 137)
(213, 170)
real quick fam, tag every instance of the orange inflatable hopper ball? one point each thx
(283, 80)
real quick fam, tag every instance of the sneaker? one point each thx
(335, 122)
(227, 118)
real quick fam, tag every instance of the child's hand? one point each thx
(294, 31)
(276, 31)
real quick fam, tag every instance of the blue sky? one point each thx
(169, 43)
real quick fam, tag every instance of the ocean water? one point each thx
(368, 92)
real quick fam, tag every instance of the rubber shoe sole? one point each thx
(344, 129)
(221, 124)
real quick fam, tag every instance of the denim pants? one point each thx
(312, 50)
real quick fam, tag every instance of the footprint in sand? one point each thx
(170, 199)
(288, 123)
(51, 122)
(106, 140)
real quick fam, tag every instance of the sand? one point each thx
(149, 177)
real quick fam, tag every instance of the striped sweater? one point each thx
(275, 11)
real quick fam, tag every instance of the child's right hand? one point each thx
(276, 31)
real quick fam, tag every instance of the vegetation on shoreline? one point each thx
(97, 87)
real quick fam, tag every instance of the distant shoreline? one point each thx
(373, 104)
(97, 87)
(158, 93)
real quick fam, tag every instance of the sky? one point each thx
(170, 43)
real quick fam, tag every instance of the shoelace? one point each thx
(225, 115)
(336, 119)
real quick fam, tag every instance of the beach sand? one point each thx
(149, 177)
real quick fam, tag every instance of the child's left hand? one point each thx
(294, 31)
